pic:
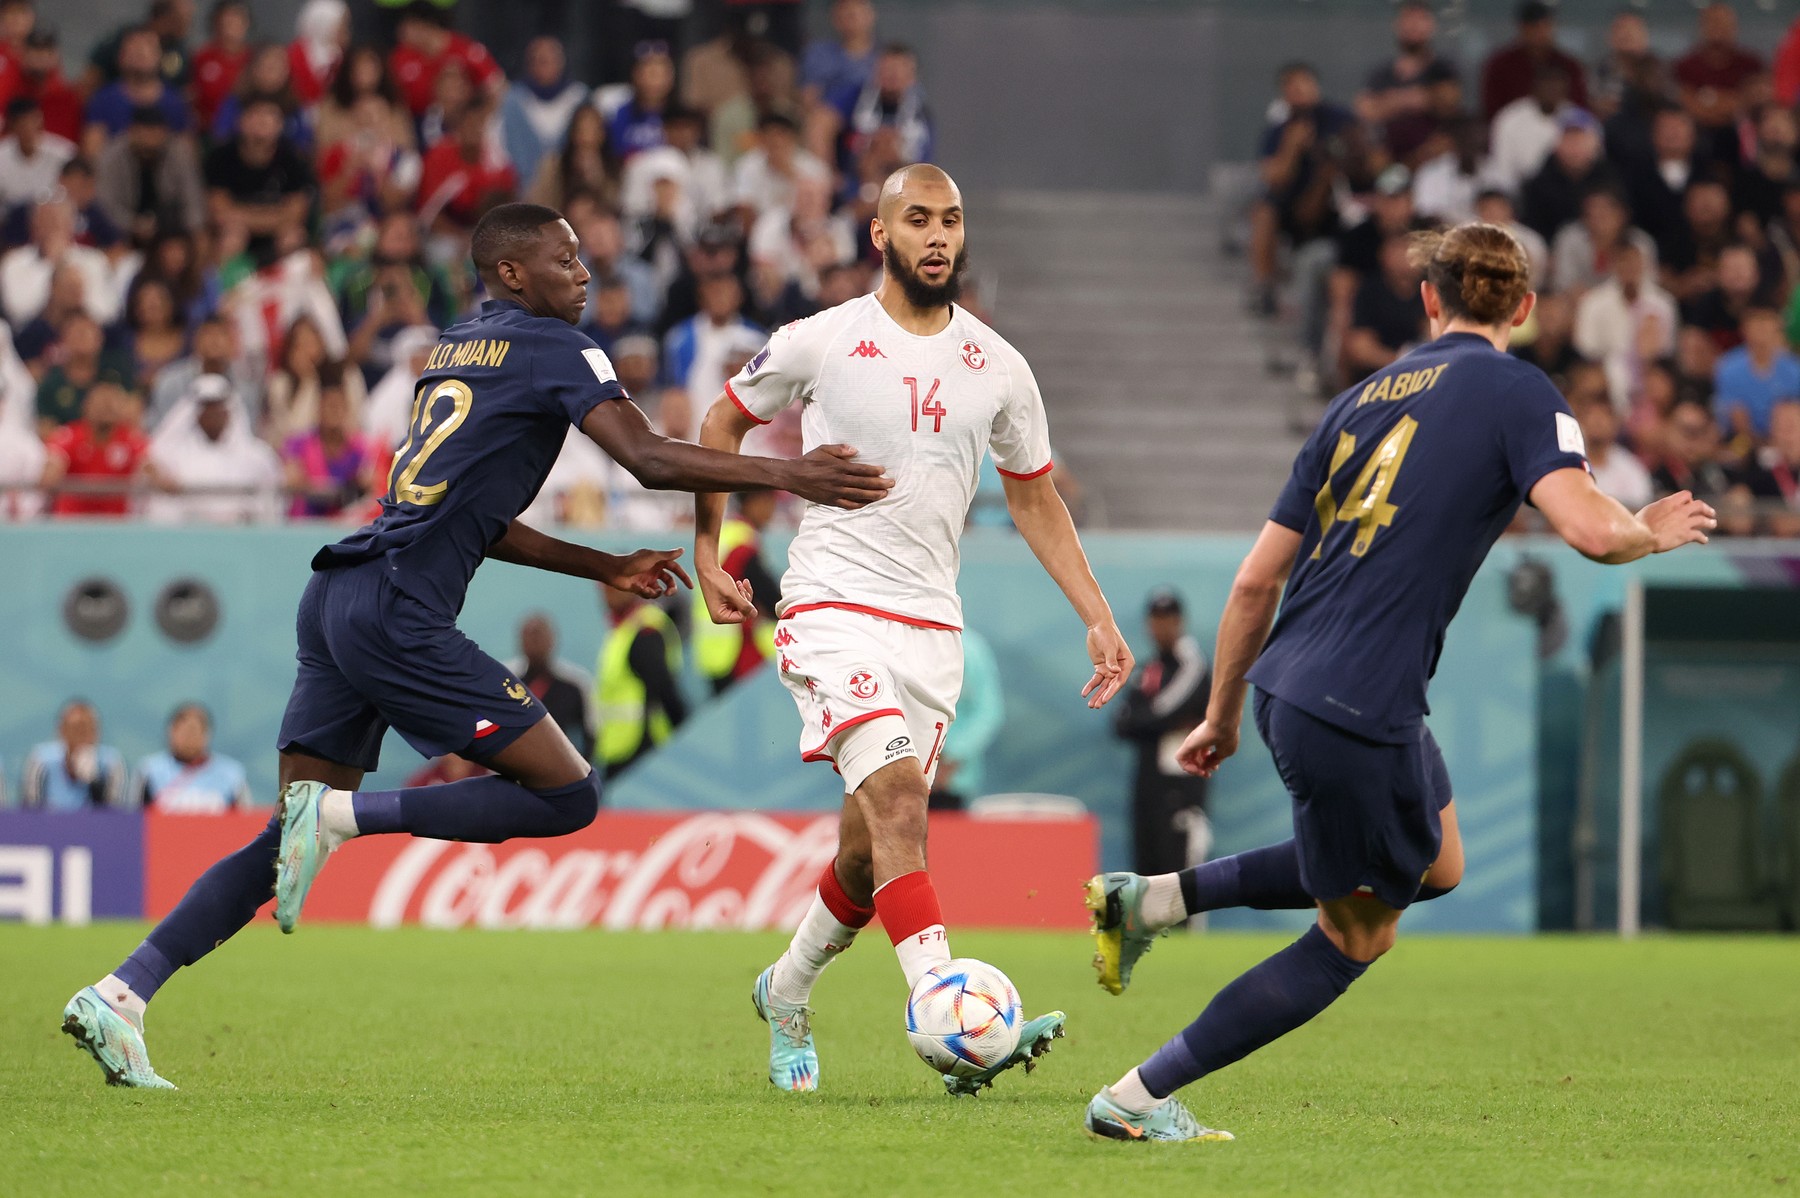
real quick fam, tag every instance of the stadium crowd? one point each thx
(1658, 200)
(225, 252)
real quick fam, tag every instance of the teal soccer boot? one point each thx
(793, 1061)
(303, 852)
(115, 1042)
(1034, 1041)
(1171, 1123)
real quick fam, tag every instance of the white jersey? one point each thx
(924, 407)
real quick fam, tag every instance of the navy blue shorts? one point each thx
(1365, 812)
(372, 656)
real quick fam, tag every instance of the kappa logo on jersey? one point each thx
(825, 720)
(974, 357)
(863, 685)
(867, 349)
(784, 638)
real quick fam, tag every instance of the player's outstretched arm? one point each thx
(1043, 520)
(1601, 528)
(828, 475)
(1249, 614)
(650, 573)
(728, 600)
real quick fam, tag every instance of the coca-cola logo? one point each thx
(734, 870)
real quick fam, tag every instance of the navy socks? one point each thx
(1267, 879)
(1269, 1001)
(483, 810)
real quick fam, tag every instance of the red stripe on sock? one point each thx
(831, 891)
(908, 905)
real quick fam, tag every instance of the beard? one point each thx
(918, 292)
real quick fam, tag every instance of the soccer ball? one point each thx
(964, 1017)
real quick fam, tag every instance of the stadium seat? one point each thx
(1713, 870)
(1027, 806)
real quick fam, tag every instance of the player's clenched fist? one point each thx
(728, 600)
(828, 475)
(1206, 748)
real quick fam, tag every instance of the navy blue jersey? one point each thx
(1398, 495)
(489, 417)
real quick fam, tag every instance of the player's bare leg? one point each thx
(543, 788)
(107, 1018)
(1129, 911)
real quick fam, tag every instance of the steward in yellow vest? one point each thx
(636, 694)
(727, 652)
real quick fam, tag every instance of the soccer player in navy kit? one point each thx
(378, 642)
(1392, 506)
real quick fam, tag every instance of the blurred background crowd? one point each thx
(1657, 196)
(225, 250)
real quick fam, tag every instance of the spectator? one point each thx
(267, 77)
(1163, 702)
(1388, 317)
(296, 384)
(41, 79)
(153, 333)
(1656, 186)
(149, 182)
(980, 712)
(1552, 198)
(321, 32)
(25, 272)
(218, 64)
(892, 99)
(370, 171)
(1302, 164)
(538, 108)
(1629, 70)
(732, 78)
(1510, 70)
(1720, 311)
(258, 184)
(22, 459)
(102, 453)
(560, 687)
(331, 467)
(74, 771)
(39, 344)
(1786, 79)
(84, 364)
(1359, 247)
(462, 177)
(637, 701)
(728, 653)
(140, 85)
(388, 409)
(1690, 462)
(585, 165)
(31, 159)
(364, 72)
(1584, 249)
(792, 244)
(1774, 477)
(1526, 130)
(1445, 187)
(765, 179)
(210, 463)
(1690, 264)
(1751, 379)
(453, 94)
(637, 123)
(215, 352)
(187, 777)
(1771, 172)
(841, 64)
(1625, 323)
(175, 259)
(1616, 471)
(391, 289)
(603, 253)
(93, 228)
(1548, 341)
(1713, 78)
(695, 348)
(1397, 97)
(1496, 207)
(427, 45)
(170, 22)
(683, 156)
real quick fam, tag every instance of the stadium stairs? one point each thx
(1153, 371)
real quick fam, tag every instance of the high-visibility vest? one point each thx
(717, 647)
(619, 694)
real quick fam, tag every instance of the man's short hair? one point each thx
(426, 11)
(20, 106)
(898, 50)
(507, 231)
(194, 705)
(1533, 11)
(1289, 69)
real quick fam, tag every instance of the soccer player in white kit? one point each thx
(869, 632)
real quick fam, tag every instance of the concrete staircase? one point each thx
(1153, 372)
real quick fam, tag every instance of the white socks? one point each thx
(123, 999)
(817, 942)
(922, 952)
(337, 820)
(1129, 1092)
(1163, 905)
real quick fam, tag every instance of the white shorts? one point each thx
(870, 690)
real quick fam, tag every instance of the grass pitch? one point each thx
(349, 1061)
